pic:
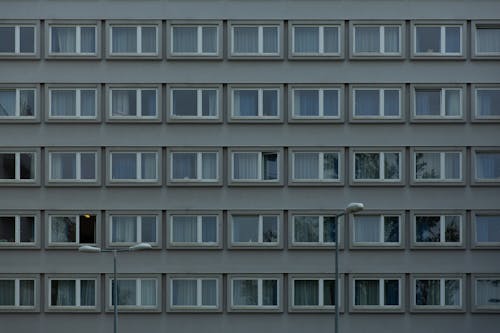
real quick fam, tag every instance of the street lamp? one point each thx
(353, 207)
(94, 249)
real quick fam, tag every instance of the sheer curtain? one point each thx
(306, 166)
(124, 39)
(209, 103)
(391, 103)
(427, 102)
(63, 103)
(148, 35)
(184, 292)
(428, 165)
(246, 103)
(87, 292)
(63, 229)
(269, 292)
(27, 102)
(367, 229)
(391, 39)
(367, 39)
(148, 165)
(148, 292)
(452, 165)
(367, 102)
(245, 165)
(87, 103)
(306, 228)
(270, 42)
(63, 39)
(148, 229)
(209, 42)
(184, 165)
(488, 102)
(124, 229)
(427, 292)
(488, 228)
(185, 39)
(488, 40)
(306, 39)
(209, 229)
(209, 166)
(209, 292)
(487, 292)
(487, 165)
(26, 293)
(7, 292)
(306, 292)
(124, 102)
(184, 229)
(246, 39)
(330, 39)
(306, 102)
(63, 292)
(366, 292)
(7, 102)
(452, 102)
(124, 165)
(63, 165)
(245, 292)
(87, 39)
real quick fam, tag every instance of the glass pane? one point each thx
(427, 229)
(391, 43)
(27, 224)
(452, 39)
(7, 103)
(328, 292)
(246, 103)
(391, 166)
(269, 229)
(26, 292)
(185, 39)
(306, 103)
(124, 166)
(87, 229)
(487, 228)
(7, 229)
(452, 292)
(209, 166)
(428, 102)
(27, 103)
(330, 166)
(124, 39)
(127, 293)
(209, 229)
(306, 165)
(331, 39)
(306, 39)
(124, 103)
(428, 39)
(269, 292)
(452, 165)
(452, 228)
(330, 103)
(184, 292)
(148, 166)
(487, 39)
(367, 39)
(306, 229)
(391, 229)
(184, 229)
(27, 39)
(88, 165)
(245, 292)
(270, 103)
(7, 40)
(63, 229)
(391, 292)
(7, 293)
(184, 102)
(148, 292)
(148, 39)
(329, 229)
(391, 103)
(246, 39)
(270, 166)
(488, 165)
(488, 102)
(306, 293)
(452, 102)
(367, 165)
(7, 166)
(487, 293)
(148, 103)
(63, 292)
(366, 102)
(427, 292)
(270, 43)
(123, 229)
(209, 41)
(209, 292)
(428, 165)
(209, 103)
(366, 292)
(367, 229)
(148, 229)
(88, 103)
(87, 39)
(63, 39)
(63, 165)
(245, 229)
(184, 166)
(87, 293)
(63, 103)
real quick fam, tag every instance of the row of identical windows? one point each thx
(250, 229)
(255, 39)
(249, 166)
(324, 103)
(254, 292)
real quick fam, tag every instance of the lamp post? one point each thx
(93, 249)
(353, 207)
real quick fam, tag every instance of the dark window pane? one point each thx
(63, 293)
(7, 292)
(452, 228)
(427, 292)
(270, 166)
(148, 103)
(269, 229)
(209, 229)
(366, 292)
(87, 229)
(329, 229)
(269, 292)
(391, 229)
(306, 293)
(26, 292)
(427, 228)
(27, 229)
(148, 229)
(7, 229)
(270, 103)
(391, 290)
(27, 103)
(87, 292)
(7, 166)
(329, 292)
(7, 39)
(27, 166)
(184, 102)
(27, 42)
(428, 39)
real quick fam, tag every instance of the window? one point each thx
(134, 40)
(487, 104)
(255, 293)
(18, 230)
(316, 40)
(194, 166)
(377, 40)
(17, 103)
(316, 103)
(255, 166)
(134, 166)
(377, 230)
(135, 293)
(316, 166)
(17, 40)
(194, 103)
(372, 293)
(377, 103)
(313, 230)
(72, 230)
(433, 166)
(133, 103)
(17, 293)
(255, 103)
(487, 293)
(194, 230)
(73, 166)
(487, 39)
(377, 166)
(73, 40)
(132, 229)
(194, 40)
(18, 167)
(487, 229)
(72, 293)
(436, 40)
(438, 230)
(255, 40)
(438, 103)
(194, 293)
(73, 103)
(255, 230)
(313, 293)
(437, 293)
(487, 166)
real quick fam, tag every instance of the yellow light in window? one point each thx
(87, 216)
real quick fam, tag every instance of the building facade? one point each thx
(228, 135)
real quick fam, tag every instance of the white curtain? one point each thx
(488, 40)
(366, 292)
(209, 42)
(7, 102)
(7, 292)
(148, 292)
(452, 102)
(209, 292)
(185, 39)
(391, 102)
(124, 229)
(26, 293)
(488, 102)
(124, 102)
(306, 166)
(488, 165)
(185, 229)
(63, 165)
(487, 292)
(246, 103)
(367, 102)
(209, 229)
(148, 162)
(63, 39)
(306, 292)
(246, 39)
(367, 229)
(87, 292)
(367, 39)
(452, 166)
(124, 165)
(209, 102)
(245, 165)
(391, 38)
(148, 229)
(306, 102)
(63, 103)
(184, 165)
(487, 228)
(148, 39)
(306, 229)
(63, 292)
(87, 40)
(330, 39)
(245, 292)
(63, 229)
(306, 39)
(87, 103)
(124, 39)
(209, 165)
(367, 166)
(428, 165)
(184, 292)
(245, 229)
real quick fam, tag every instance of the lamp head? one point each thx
(140, 247)
(89, 249)
(354, 207)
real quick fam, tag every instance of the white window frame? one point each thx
(260, 102)
(78, 102)
(199, 291)
(260, 295)
(260, 164)
(381, 227)
(260, 230)
(260, 30)
(442, 231)
(138, 226)
(321, 300)
(199, 39)
(17, 114)
(381, 177)
(442, 47)
(77, 294)
(321, 240)
(138, 39)
(78, 45)
(321, 167)
(77, 230)
(381, 106)
(442, 107)
(138, 103)
(442, 166)
(17, 39)
(17, 227)
(476, 26)
(199, 167)
(17, 177)
(381, 289)
(78, 167)
(321, 40)
(17, 294)
(442, 298)
(199, 231)
(138, 161)
(321, 109)
(138, 305)
(199, 103)
(381, 51)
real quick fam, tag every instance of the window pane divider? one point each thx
(382, 39)
(321, 288)
(138, 237)
(381, 229)
(199, 102)
(199, 166)
(259, 292)
(78, 40)
(260, 39)
(199, 229)
(139, 39)
(321, 236)
(17, 39)
(381, 105)
(199, 42)
(321, 103)
(17, 292)
(78, 107)
(138, 160)
(17, 227)
(198, 292)
(321, 44)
